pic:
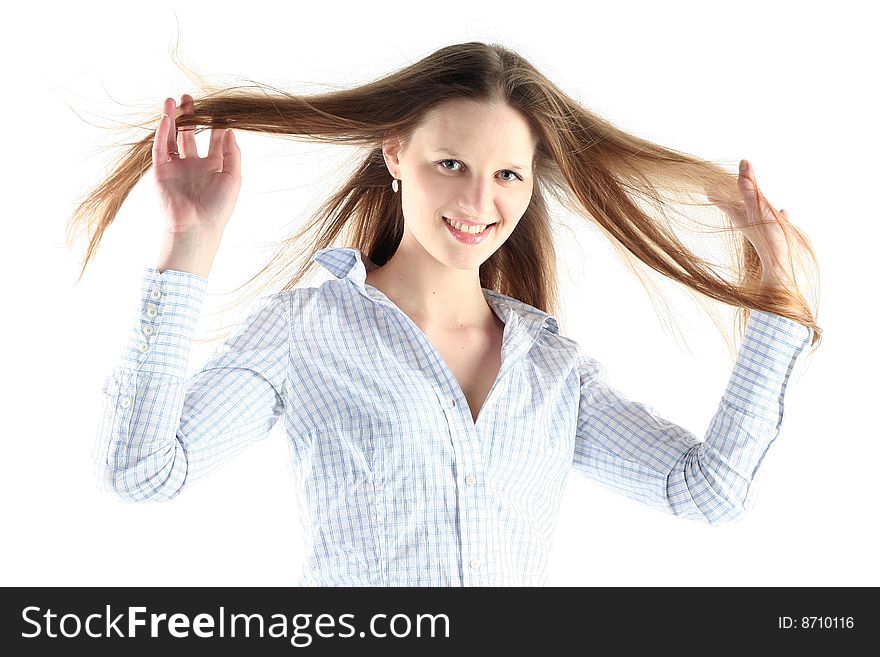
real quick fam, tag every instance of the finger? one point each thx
(186, 136)
(747, 174)
(231, 154)
(215, 145)
(753, 194)
(171, 138)
(160, 145)
(747, 185)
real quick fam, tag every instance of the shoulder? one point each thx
(329, 301)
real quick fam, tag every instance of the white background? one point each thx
(785, 85)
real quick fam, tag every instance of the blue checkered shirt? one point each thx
(399, 486)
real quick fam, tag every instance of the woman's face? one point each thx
(467, 161)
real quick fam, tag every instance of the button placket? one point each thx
(464, 431)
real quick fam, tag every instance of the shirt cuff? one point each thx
(161, 337)
(769, 351)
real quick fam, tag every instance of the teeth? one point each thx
(473, 230)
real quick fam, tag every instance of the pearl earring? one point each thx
(394, 185)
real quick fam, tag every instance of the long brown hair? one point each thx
(645, 198)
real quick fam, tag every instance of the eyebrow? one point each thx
(515, 167)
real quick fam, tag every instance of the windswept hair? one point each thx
(649, 201)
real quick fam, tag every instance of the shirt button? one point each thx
(453, 402)
(143, 346)
(471, 480)
(475, 563)
(155, 294)
(152, 311)
(125, 402)
(147, 329)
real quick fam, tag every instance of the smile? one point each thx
(467, 234)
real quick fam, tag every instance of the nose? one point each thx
(477, 198)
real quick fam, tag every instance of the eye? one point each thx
(516, 175)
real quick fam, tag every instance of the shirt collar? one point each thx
(351, 264)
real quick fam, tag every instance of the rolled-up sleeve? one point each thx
(627, 447)
(160, 432)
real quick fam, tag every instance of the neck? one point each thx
(431, 293)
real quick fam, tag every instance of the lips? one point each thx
(468, 238)
(467, 222)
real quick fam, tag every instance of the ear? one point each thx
(391, 151)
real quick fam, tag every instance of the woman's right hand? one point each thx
(197, 194)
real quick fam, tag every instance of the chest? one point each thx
(474, 358)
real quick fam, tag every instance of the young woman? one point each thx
(433, 408)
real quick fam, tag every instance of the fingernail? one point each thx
(743, 166)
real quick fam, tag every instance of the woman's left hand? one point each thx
(768, 238)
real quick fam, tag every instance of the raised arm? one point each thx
(159, 432)
(627, 447)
